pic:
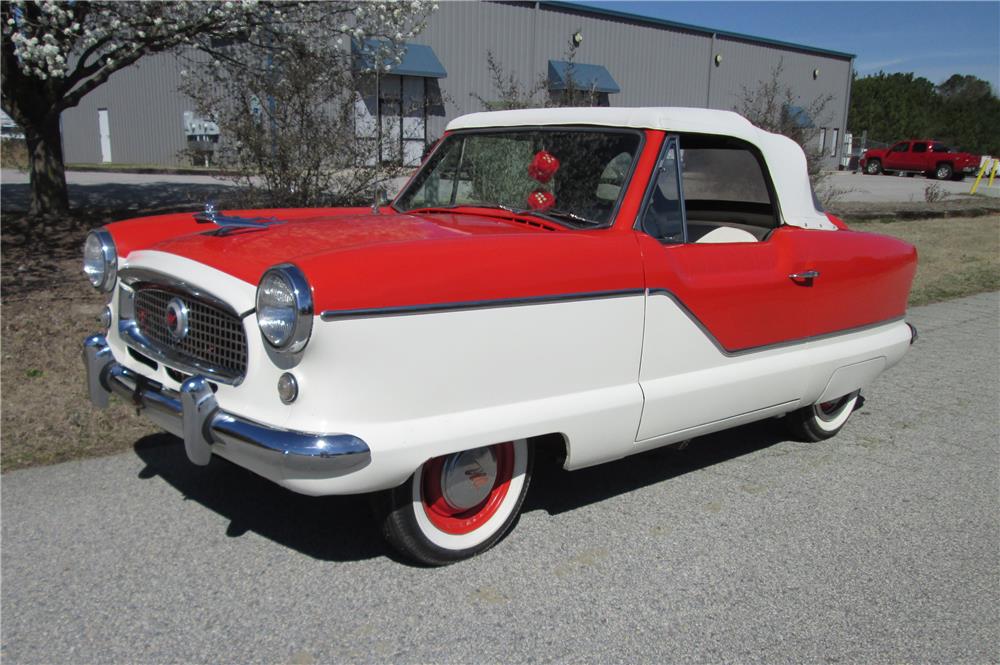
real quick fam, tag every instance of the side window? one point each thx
(709, 189)
(900, 147)
(919, 147)
(613, 176)
(663, 215)
(939, 147)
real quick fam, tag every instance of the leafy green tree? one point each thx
(963, 111)
(969, 115)
(893, 106)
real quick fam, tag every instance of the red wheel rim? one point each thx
(451, 520)
(828, 408)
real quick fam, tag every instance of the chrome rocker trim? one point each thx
(194, 414)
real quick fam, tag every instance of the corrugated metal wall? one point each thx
(146, 114)
(654, 65)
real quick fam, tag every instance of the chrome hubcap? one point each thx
(467, 478)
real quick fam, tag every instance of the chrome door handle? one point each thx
(808, 274)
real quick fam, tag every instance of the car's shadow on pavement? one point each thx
(342, 528)
(331, 528)
(555, 490)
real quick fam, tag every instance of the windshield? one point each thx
(574, 176)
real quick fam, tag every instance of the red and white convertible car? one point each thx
(618, 278)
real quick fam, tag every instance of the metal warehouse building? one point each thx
(139, 117)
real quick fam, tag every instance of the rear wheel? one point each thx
(873, 167)
(456, 506)
(817, 422)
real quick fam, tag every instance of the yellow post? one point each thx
(993, 173)
(979, 177)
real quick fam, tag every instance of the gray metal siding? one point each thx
(654, 65)
(746, 65)
(145, 111)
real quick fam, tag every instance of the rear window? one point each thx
(722, 175)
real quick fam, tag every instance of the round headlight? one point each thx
(285, 308)
(100, 260)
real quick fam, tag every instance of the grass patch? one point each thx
(958, 256)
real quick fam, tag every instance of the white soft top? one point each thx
(785, 159)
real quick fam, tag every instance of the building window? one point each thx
(833, 143)
(390, 113)
(391, 104)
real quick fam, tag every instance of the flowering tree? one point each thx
(55, 53)
(283, 96)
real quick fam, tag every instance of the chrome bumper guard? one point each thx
(194, 414)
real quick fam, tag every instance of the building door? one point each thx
(104, 129)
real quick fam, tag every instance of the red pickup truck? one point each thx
(927, 156)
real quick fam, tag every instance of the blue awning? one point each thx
(584, 77)
(418, 60)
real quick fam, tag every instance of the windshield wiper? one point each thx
(557, 215)
(552, 214)
(453, 206)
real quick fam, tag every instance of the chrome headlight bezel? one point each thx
(104, 267)
(300, 295)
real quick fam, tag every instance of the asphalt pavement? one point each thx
(881, 545)
(856, 187)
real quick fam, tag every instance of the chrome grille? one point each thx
(215, 337)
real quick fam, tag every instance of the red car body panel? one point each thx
(744, 296)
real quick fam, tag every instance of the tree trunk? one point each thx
(49, 195)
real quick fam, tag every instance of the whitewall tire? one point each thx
(456, 506)
(817, 422)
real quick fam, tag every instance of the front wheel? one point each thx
(873, 167)
(458, 505)
(817, 422)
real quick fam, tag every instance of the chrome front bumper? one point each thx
(194, 415)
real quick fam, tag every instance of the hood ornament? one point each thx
(228, 224)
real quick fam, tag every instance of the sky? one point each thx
(931, 39)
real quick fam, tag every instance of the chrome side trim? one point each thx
(130, 334)
(764, 347)
(144, 276)
(330, 315)
(195, 413)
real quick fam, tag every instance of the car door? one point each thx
(896, 158)
(917, 156)
(716, 307)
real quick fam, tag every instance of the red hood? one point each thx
(356, 260)
(296, 238)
